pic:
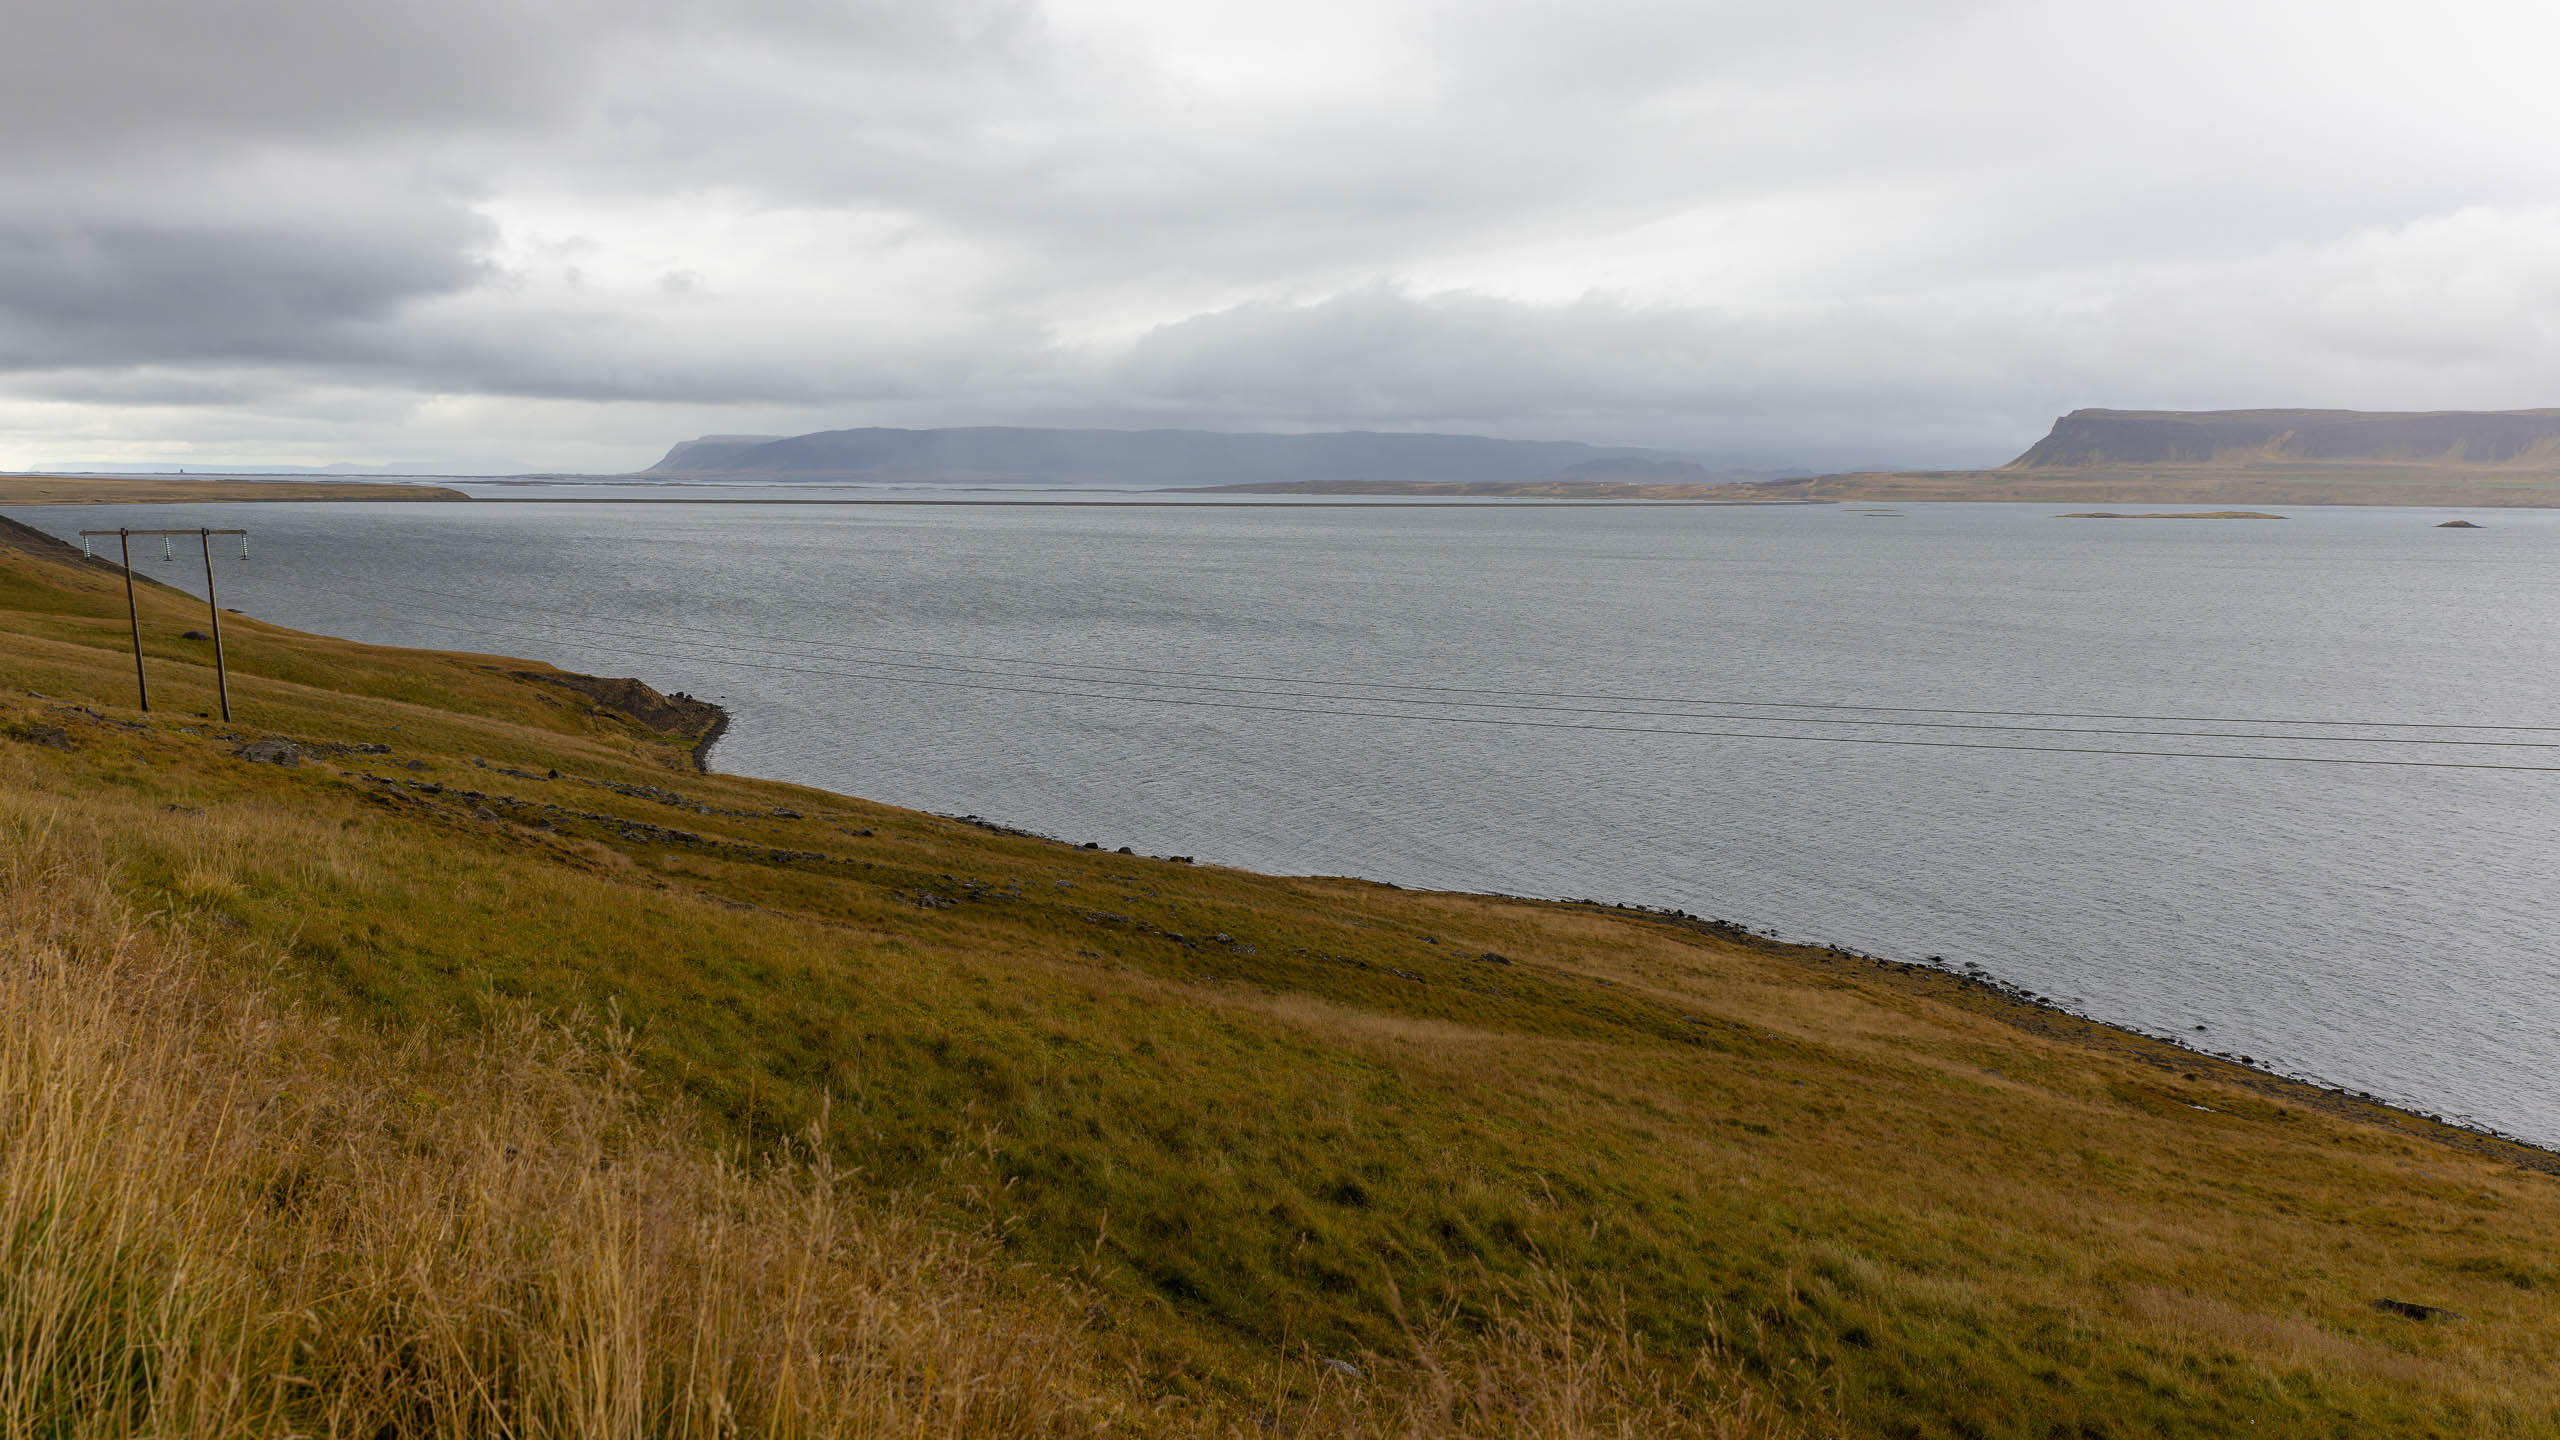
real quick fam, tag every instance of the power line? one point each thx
(1553, 724)
(1530, 694)
(1532, 708)
(651, 629)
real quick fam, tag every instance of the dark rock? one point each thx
(2413, 1310)
(53, 735)
(270, 752)
(193, 635)
(2460, 525)
(1491, 958)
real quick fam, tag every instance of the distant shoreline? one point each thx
(2291, 487)
(188, 489)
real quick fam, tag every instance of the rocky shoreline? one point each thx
(1977, 989)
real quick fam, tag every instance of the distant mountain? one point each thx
(1004, 454)
(2222, 437)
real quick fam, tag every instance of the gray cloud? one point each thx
(126, 294)
(571, 229)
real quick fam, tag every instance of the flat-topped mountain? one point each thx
(2204, 437)
(1007, 454)
(2247, 457)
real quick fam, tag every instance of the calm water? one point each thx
(2379, 927)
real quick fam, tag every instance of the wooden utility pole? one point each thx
(133, 611)
(133, 617)
(221, 675)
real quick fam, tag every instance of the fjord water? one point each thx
(2384, 928)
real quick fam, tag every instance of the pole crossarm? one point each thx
(213, 608)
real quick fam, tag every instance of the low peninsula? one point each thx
(194, 489)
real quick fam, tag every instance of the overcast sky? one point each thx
(560, 234)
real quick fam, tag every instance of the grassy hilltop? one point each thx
(489, 1070)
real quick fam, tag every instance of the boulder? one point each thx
(2414, 1311)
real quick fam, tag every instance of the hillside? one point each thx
(1088, 1140)
(1000, 454)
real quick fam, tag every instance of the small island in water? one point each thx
(2172, 515)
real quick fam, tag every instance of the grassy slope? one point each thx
(155, 489)
(1952, 1214)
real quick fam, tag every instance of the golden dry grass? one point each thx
(223, 1217)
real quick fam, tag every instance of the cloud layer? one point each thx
(560, 233)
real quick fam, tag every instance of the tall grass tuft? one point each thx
(214, 1221)
(219, 1217)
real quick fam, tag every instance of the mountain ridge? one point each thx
(1021, 454)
